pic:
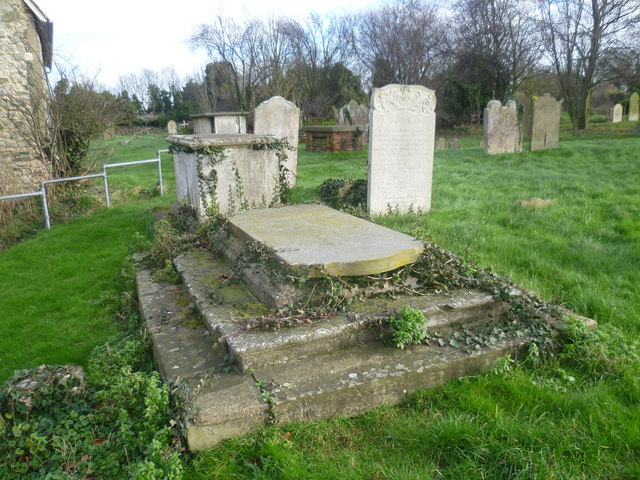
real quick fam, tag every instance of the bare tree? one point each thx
(500, 39)
(400, 42)
(578, 36)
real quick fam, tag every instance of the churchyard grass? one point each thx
(571, 416)
(575, 415)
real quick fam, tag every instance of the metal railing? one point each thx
(43, 191)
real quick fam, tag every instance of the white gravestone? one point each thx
(172, 127)
(280, 118)
(616, 113)
(401, 140)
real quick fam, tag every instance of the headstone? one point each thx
(525, 100)
(356, 115)
(501, 128)
(616, 113)
(545, 123)
(441, 143)
(455, 144)
(402, 132)
(172, 127)
(229, 123)
(280, 118)
(634, 107)
(109, 133)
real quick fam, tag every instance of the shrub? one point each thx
(344, 193)
(409, 327)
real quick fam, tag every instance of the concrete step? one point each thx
(364, 324)
(346, 382)
(226, 306)
(183, 347)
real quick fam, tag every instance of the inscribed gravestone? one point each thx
(502, 128)
(172, 127)
(616, 113)
(402, 131)
(280, 118)
(634, 107)
(545, 123)
(455, 144)
(441, 143)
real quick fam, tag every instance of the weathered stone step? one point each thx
(346, 382)
(222, 300)
(356, 380)
(183, 347)
(255, 349)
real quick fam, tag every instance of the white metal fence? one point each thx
(43, 191)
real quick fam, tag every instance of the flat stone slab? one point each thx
(319, 241)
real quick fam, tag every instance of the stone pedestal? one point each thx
(228, 172)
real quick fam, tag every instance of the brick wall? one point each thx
(334, 141)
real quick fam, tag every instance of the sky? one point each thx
(104, 40)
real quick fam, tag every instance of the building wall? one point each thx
(23, 98)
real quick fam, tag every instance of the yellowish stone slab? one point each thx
(320, 241)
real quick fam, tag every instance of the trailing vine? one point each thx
(281, 146)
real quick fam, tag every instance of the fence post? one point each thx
(160, 172)
(45, 208)
(106, 187)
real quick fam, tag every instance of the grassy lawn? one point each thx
(573, 416)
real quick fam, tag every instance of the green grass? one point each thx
(59, 287)
(574, 416)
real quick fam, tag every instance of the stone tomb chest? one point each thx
(334, 138)
(228, 172)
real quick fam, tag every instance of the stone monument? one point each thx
(225, 172)
(401, 142)
(616, 113)
(355, 115)
(280, 118)
(172, 127)
(634, 107)
(525, 100)
(545, 123)
(502, 132)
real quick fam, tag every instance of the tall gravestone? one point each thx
(401, 141)
(545, 123)
(634, 107)
(616, 113)
(525, 100)
(280, 118)
(502, 132)
(355, 115)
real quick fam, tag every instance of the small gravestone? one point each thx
(454, 144)
(545, 123)
(502, 128)
(109, 133)
(280, 118)
(402, 132)
(441, 143)
(525, 100)
(616, 113)
(634, 107)
(172, 127)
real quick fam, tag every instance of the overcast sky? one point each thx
(108, 39)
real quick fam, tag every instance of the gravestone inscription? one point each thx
(402, 132)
